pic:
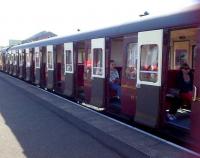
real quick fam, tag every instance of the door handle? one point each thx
(195, 93)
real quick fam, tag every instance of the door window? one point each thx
(14, 59)
(11, 59)
(149, 63)
(20, 58)
(28, 58)
(50, 61)
(81, 59)
(88, 65)
(69, 57)
(50, 64)
(98, 62)
(98, 58)
(37, 58)
(68, 61)
(131, 68)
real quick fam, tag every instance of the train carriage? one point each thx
(147, 54)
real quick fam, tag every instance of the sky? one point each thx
(20, 19)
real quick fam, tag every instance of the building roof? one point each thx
(39, 36)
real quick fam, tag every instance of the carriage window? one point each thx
(11, 58)
(194, 55)
(88, 65)
(17, 59)
(20, 59)
(6, 59)
(81, 57)
(88, 59)
(37, 59)
(14, 60)
(50, 60)
(0, 59)
(149, 63)
(98, 62)
(28, 60)
(68, 61)
(131, 70)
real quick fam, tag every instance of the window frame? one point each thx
(68, 47)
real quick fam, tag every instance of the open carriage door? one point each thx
(98, 72)
(87, 72)
(195, 114)
(149, 77)
(69, 69)
(128, 99)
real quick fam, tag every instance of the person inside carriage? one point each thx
(183, 95)
(114, 80)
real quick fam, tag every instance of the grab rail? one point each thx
(195, 94)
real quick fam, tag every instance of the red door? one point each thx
(128, 84)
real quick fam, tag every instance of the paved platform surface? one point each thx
(37, 124)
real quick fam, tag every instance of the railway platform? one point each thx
(88, 133)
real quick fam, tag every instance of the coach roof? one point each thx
(186, 18)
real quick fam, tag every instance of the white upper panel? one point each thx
(50, 49)
(69, 47)
(149, 38)
(37, 57)
(98, 44)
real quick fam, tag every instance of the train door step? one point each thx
(182, 120)
(181, 123)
